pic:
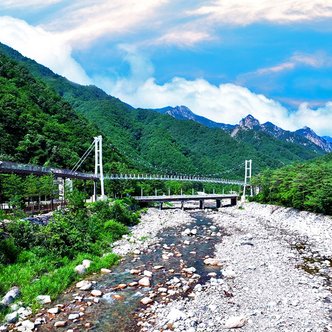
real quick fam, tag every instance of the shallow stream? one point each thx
(118, 308)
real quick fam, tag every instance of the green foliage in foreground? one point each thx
(305, 186)
(41, 259)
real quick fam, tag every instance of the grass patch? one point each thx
(40, 260)
(47, 275)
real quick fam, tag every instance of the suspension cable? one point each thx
(83, 158)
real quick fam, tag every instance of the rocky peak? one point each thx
(310, 135)
(249, 122)
(181, 111)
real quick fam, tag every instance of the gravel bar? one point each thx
(277, 272)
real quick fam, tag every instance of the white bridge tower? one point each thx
(247, 178)
(98, 142)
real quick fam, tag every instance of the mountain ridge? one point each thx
(304, 136)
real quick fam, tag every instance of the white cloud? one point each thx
(85, 21)
(27, 3)
(319, 119)
(315, 60)
(226, 103)
(250, 11)
(49, 49)
(183, 38)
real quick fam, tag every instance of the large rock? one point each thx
(146, 300)
(175, 315)
(235, 322)
(73, 316)
(43, 299)
(96, 293)
(145, 282)
(53, 311)
(60, 323)
(12, 317)
(80, 269)
(11, 296)
(86, 263)
(26, 326)
(212, 261)
(84, 285)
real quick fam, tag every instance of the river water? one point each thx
(119, 308)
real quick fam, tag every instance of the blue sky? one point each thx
(223, 59)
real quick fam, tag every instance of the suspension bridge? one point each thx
(98, 176)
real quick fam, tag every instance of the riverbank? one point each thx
(265, 286)
(258, 268)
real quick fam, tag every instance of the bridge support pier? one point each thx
(202, 204)
(218, 203)
(94, 190)
(233, 201)
(160, 205)
(182, 205)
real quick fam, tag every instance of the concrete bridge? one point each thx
(184, 198)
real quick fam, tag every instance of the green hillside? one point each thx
(306, 186)
(38, 126)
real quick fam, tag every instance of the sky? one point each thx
(222, 59)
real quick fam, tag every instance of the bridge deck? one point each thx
(16, 168)
(173, 198)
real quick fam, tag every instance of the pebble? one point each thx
(96, 293)
(135, 271)
(84, 285)
(80, 269)
(145, 282)
(212, 261)
(53, 311)
(146, 300)
(147, 273)
(60, 323)
(105, 271)
(86, 263)
(158, 267)
(235, 322)
(43, 299)
(73, 316)
(26, 326)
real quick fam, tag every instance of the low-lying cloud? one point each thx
(226, 103)
(49, 49)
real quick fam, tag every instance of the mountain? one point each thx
(311, 136)
(150, 141)
(327, 138)
(305, 137)
(184, 113)
(37, 126)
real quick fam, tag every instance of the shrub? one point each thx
(101, 210)
(115, 230)
(24, 233)
(8, 251)
(121, 212)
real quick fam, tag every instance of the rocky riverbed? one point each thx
(254, 268)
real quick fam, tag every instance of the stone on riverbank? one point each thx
(11, 296)
(235, 322)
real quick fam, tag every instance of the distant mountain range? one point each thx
(305, 136)
(184, 113)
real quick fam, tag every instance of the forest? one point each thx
(305, 186)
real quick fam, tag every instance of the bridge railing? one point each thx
(170, 178)
(11, 167)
